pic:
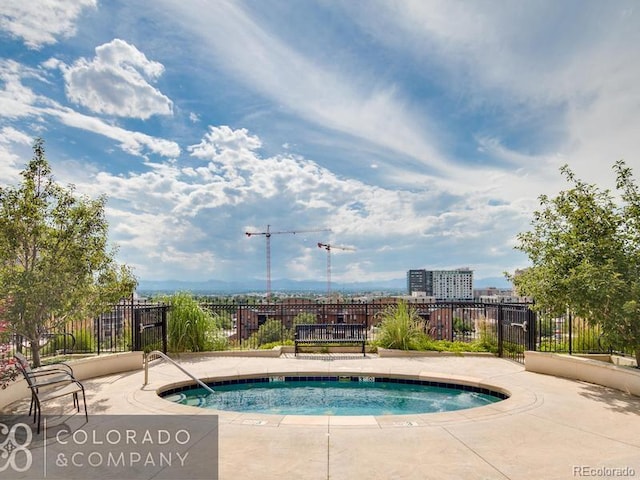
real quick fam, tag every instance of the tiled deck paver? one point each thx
(546, 430)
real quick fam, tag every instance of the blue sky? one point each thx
(421, 133)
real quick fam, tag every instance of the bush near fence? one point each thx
(264, 325)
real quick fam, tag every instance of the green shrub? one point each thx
(123, 341)
(512, 348)
(400, 328)
(585, 338)
(223, 320)
(151, 346)
(487, 339)
(270, 345)
(550, 344)
(271, 331)
(217, 341)
(588, 339)
(428, 344)
(546, 326)
(460, 326)
(85, 341)
(305, 318)
(8, 370)
(190, 327)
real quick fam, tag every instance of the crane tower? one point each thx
(328, 248)
(267, 234)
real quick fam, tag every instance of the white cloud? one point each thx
(223, 138)
(39, 23)
(319, 93)
(11, 135)
(575, 68)
(165, 212)
(159, 244)
(116, 82)
(521, 89)
(540, 51)
(11, 163)
(18, 101)
(135, 143)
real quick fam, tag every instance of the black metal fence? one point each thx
(508, 330)
(129, 325)
(150, 328)
(570, 334)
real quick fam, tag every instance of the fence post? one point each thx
(133, 332)
(570, 334)
(99, 341)
(500, 321)
(366, 315)
(532, 322)
(164, 328)
(451, 310)
(135, 329)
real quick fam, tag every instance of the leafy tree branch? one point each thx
(55, 261)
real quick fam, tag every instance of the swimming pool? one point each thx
(350, 395)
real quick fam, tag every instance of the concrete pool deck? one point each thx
(550, 428)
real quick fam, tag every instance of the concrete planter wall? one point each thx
(600, 371)
(387, 352)
(83, 369)
(13, 393)
(328, 349)
(271, 353)
(106, 365)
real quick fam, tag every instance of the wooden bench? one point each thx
(330, 334)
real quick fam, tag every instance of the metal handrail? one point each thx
(158, 353)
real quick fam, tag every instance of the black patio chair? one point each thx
(49, 383)
(63, 370)
(47, 375)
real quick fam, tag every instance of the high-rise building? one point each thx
(442, 284)
(419, 281)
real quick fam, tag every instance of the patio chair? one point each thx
(47, 375)
(50, 383)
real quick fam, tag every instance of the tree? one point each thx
(55, 264)
(585, 254)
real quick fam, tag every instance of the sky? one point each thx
(406, 134)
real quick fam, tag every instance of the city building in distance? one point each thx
(441, 284)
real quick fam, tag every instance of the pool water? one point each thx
(335, 398)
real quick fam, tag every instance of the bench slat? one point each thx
(318, 334)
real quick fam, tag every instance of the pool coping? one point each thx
(520, 399)
(548, 428)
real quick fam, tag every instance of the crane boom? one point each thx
(328, 248)
(267, 234)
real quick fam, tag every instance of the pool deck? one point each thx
(550, 428)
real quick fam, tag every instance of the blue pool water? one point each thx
(339, 396)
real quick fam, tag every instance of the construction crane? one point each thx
(328, 247)
(267, 236)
